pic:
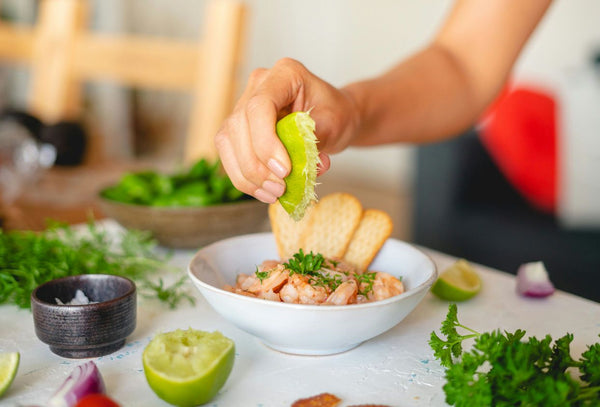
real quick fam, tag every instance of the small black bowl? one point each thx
(87, 330)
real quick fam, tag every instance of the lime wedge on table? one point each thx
(9, 364)
(188, 367)
(296, 132)
(458, 282)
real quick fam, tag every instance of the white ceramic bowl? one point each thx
(307, 329)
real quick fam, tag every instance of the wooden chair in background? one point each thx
(62, 55)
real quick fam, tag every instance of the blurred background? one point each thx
(425, 188)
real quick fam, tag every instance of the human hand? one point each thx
(250, 151)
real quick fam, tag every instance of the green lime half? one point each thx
(297, 133)
(459, 282)
(9, 364)
(188, 367)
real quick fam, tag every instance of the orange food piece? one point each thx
(320, 400)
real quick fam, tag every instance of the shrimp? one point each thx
(242, 292)
(340, 266)
(345, 293)
(273, 282)
(268, 265)
(269, 295)
(243, 281)
(339, 276)
(385, 286)
(299, 291)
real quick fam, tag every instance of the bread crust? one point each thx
(337, 227)
(331, 225)
(372, 232)
(286, 230)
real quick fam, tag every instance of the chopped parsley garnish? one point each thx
(261, 275)
(315, 267)
(367, 278)
(305, 264)
(326, 280)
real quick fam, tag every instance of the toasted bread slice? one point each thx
(331, 225)
(372, 232)
(286, 230)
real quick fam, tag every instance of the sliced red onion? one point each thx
(533, 280)
(85, 379)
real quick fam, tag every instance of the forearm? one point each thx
(443, 89)
(426, 98)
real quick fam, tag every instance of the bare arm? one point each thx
(441, 90)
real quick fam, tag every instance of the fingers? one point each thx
(236, 146)
(324, 164)
(280, 88)
(250, 150)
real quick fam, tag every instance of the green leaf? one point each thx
(590, 365)
(29, 259)
(504, 369)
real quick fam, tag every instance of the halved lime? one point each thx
(297, 133)
(188, 367)
(9, 364)
(459, 282)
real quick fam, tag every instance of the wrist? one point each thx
(356, 94)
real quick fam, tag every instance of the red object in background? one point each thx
(520, 134)
(96, 400)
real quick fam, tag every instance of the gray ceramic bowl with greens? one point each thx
(185, 210)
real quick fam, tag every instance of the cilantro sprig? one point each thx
(28, 259)
(504, 369)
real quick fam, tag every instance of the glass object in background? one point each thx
(22, 159)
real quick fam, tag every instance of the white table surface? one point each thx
(396, 368)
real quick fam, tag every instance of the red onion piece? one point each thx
(533, 280)
(85, 379)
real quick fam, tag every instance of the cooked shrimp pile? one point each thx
(313, 279)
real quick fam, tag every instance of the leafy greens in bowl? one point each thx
(202, 185)
(185, 210)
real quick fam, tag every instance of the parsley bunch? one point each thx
(28, 259)
(503, 369)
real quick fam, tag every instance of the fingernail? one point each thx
(264, 196)
(277, 168)
(274, 188)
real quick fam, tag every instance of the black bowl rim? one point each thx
(131, 291)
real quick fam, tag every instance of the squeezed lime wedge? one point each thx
(9, 364)
(459, 282)
(188, 367)
(296, 132)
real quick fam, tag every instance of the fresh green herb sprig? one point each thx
(28, 259)
(367, 279)
(261, 275)
(503, 369)
(305, 264)
(327, 280)
(171, 295)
